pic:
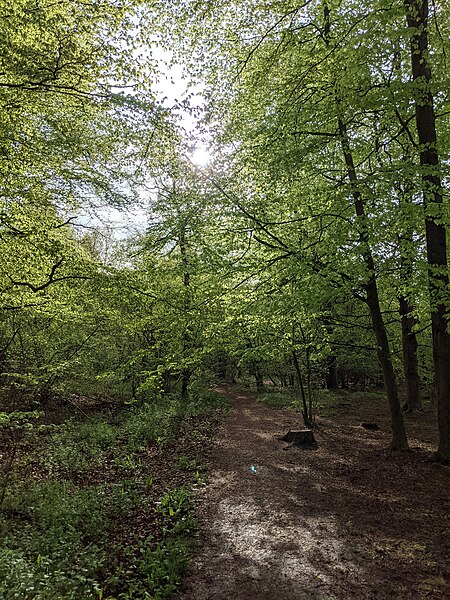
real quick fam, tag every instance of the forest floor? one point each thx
(348, 520)
(96, 504)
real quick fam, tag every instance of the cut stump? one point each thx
(370, 426)
(303, 437)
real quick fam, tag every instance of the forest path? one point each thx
(309, 524)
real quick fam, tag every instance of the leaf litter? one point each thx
(349, 520)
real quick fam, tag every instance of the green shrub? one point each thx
(205, 400)
(148, 424)
(58, 535)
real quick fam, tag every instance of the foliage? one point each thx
(300, 256)
(274, 399)
(59, 530)
(312, 109)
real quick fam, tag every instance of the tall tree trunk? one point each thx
(406, 308)
(417, 12)
(399, 440)
(413, 400)
(405, 192)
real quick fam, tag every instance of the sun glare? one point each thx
(201, 156)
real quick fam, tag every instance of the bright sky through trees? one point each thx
(174, 89)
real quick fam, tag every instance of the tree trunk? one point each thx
(187, 335)
(406, 310)
(222, 365)
(331, 376)
(407, 249)
(410, 364)
(258, 376)
(438, 278)
(307, 420)
(399, 440)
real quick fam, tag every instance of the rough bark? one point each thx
(417, 12)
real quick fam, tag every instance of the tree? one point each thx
(72, 139)
(303, 92)
(417, 18)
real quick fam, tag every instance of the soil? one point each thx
(348, 520)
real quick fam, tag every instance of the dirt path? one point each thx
(347, 521)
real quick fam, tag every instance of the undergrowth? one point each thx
(279, 399)
(98, 507)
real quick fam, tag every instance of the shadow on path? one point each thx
(346, 521)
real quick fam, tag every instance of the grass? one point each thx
(99, 507)
(279, 399)
(326, 402)
(330, 401)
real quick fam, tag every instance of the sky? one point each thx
(174, 87)
(171, 88)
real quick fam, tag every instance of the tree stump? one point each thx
(303, 438)
(370, 426)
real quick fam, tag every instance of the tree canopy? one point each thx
(311, 251)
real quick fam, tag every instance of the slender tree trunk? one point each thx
(331, 376)
(406, 309)
(405, 191)
(438, 278)
(221, 368)
(258, 376)
(399, 440)
(410, 364)
(308, 375)
(187, 335)
(255, 370)
(305, 413)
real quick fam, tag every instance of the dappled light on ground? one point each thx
(349, 520)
